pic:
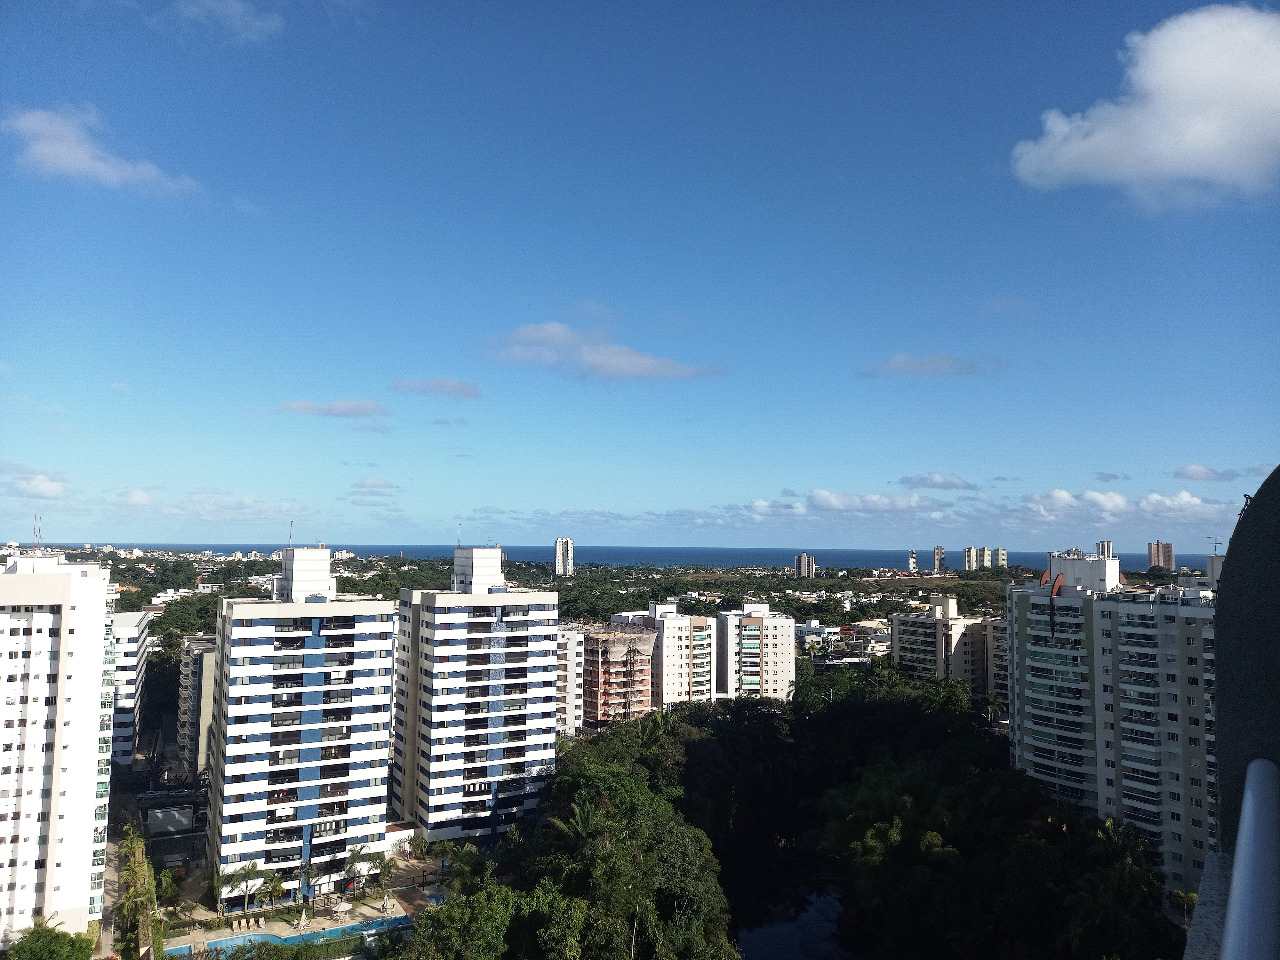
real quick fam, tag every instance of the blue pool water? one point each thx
(333, 933)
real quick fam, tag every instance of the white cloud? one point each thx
(1095, 507)
(37, 487)
(1182, 506)
(832, 502)
(1198, 115)
(373, 483)
(931, 365)
(1104, 477)
(246, 22)
(588, 352)
(136, 498)
(1198, 471)
(217, 507)
(58, 143)
(777, 508)
(936, 481)
(445, 387)
(1261, 469)
(351, 409)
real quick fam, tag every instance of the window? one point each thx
(1174, 795)
(1171, 737)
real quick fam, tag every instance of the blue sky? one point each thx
(826, 275)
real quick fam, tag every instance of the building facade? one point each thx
(755, 653)
(1112, 704)
(564, 557)
(195, 704)
(940, 643)
(911, 562)
(59, 676)
(939, 559)
(618, 676)
(131, 642)
(475, 700)
(806, 567)
(300, 730)
(1160, 554)
(571, 662)
(683, 661)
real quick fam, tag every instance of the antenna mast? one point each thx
(37, 538)
(290, 533)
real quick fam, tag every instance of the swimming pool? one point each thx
(312, 936)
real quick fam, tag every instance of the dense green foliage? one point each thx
(45, 942)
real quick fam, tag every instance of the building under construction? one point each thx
(617, 673)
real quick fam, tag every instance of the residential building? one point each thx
(195, 704)
(570, 663)
(1112, 703)
(813, 632)
(617, 679)
(564, 557)
(971, 558)
(911, 562)
(999, 557)
(130, 632)
(755, 653)
(56, 739)
(1160, 554)
(683, 661)
(806, 567)
(938, 642)
(300, 730)
(939, 559)
(984, 558)
(475, 700)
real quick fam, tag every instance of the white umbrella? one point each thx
(342, 907)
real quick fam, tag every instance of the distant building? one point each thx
(939, 559)
(616, 678)
(755, 653)
(940, 643)
(806, 567)
(131, 641)
(564, 557)
(984, 558)
(570, 663)
(1160, 554)
(683, 653)
(971, 558)
(195, 704)
(911, 562)
(1106, 549)
(1000, 557)
(55, 619)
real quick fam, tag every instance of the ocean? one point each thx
(681, 556)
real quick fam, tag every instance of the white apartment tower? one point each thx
(56, 743)
(564, 557)
(911, 562)
(940, 643)
(570, 661)
(683, 662)
(475, 700)
(299, 737)
(131, 641)
(755, 653)
(939, 559)
(195, 704)
(1112, 703)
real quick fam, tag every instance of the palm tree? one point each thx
(244, 878)
(1187, 901)
(355, 856)
(271, 889)
(379, 863)
(306, 874)
(419, 847)
(220, 880)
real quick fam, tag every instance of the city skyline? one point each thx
(379, 270)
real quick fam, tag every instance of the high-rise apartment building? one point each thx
(131, 643)
(618, 676)
(1112, 703)
(564, 557)
(475, 700)
(971, 558)
(911, 562)
(1160, 554)
(984, 558)
(59, 677)
(683, 662)
(806, 567)
(571, 662)
(300, 731)
(196, 704)
(940, 643)
(999, 557)
(939, 559)
(755, 653)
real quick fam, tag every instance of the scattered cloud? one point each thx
(831, 502)
(374, 483)
(350, 409)
(136, 498)
(218, 507)
(1198, 471)
(936, 481)
(60, 143)
(587, 352)
(1109, 507)
(244, 21)
(1103, 477)
(777, 508)
(1198, 115)
(930, 365)
(37, 487)
(1004, 479)
(1261, 470)
(444, 387)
